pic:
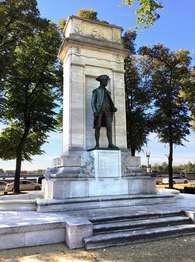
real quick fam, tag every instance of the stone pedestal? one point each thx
(100, 174)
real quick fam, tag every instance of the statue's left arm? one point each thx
(114, 109)
(93, 101)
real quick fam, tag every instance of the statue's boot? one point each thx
(109, 135)
(97, 137)
(111, 146)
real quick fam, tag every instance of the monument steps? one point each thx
(86, 203)
(124, 230)
(131, 225)
(134, 216)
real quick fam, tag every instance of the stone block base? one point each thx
(98, 172)
(62, 188)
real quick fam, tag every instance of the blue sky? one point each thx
(175, 29)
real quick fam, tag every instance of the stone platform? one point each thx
(20, 229)
(90, 203)
(83, 203)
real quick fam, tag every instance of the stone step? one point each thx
(29, 234)
(18, 205)
(127, 237)
(140, 224)
(134, 216)
(86, 203)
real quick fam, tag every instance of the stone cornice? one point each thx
(92, 22)
(90, 43)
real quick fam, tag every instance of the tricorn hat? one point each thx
(102, 77)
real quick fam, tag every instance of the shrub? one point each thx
(88, 14)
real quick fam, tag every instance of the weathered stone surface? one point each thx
(76, 230)
(92, 29)
(101, 172)
(107, 163)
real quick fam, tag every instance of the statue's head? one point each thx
(103, 79)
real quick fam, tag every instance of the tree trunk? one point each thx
(19, 162)
(17, 173)
(170, 165)
(132, 151)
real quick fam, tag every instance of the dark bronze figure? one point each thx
(103, 109)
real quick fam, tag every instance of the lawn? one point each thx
(178, 186)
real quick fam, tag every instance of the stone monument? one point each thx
(91, 49)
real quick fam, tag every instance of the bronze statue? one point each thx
(103, 109)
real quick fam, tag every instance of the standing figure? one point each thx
(103, 109)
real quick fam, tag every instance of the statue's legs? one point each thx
(97, 136)
(104, 119)
(109, 136)
(109, 119)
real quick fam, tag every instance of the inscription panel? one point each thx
(107, 163)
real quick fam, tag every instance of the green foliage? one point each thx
(11, 136)
(137, 129)
(137, 98)
(129, 41)
(59, 120)
(88, 14)
(147, 11)
(189, 95)
(17, 19)
(62, 23)
(179, 169)
(160, 168)
(170, 71)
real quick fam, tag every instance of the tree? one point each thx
(137, 98)
(170, 73)
(147, 11)
(31, 95)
